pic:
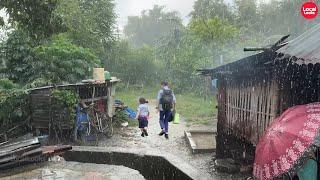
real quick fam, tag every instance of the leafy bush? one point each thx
(13, 103)
(63, 61)
(120, 117)
(68, 99)
(134, 66)
(56, 61)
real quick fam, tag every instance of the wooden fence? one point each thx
(250, 107)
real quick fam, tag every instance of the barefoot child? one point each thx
(142, 116)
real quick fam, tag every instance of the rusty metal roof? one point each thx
(306, 47)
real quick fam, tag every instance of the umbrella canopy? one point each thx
(288, 138)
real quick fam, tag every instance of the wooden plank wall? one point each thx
(43, 109)
(250, 107)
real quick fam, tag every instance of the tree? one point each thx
(134, 65)
(191, 55)
(16, 52)
(63, 61)
(57, 61)
(151, 25)
(90, 23)
(282, 18)
(207, 9)
(13, 104)
(246, 11)
(213, 30)
(35, 16)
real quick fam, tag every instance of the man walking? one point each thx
(166, 103)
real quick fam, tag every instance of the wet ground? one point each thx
(130, 137)
(72, 171)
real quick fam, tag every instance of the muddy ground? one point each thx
(130, 137)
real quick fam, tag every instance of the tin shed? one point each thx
(254, 90)
(44, 112)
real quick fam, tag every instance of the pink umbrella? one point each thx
(286, 141)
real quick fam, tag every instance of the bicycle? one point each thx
(101, 122)
(98, 123)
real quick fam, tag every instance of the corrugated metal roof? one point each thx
(245, 65)
(306, 47)
(113, 80)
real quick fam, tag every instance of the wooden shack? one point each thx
(254, 90)
(44, 110)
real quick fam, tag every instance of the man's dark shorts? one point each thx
(143, 122)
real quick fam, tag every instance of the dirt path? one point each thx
(176, 145)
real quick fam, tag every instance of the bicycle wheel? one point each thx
(110, 127)
(107, 124)
(92, 137)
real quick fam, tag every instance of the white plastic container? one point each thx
(98, 75)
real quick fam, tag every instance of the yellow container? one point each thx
(98, 74)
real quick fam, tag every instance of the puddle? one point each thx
(72, 170)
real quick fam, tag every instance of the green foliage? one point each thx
(121, 117)
(152, 24)
(33, 15)
(52, 41)
(90, 23)
(63, 61)
(18, 56)
(195, 48)
(68, 99)
(207, 9)
(195, 110)
(130, 96)
(6, 84)
(39, 82)
(65, 98)
(189, 57)
(191, 106)
(56, 61)
(133, 65)
(36, 50)
(281, 18)
(214, 29)
(247, 11)
(13, 103)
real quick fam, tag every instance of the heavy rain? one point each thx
(159, 89)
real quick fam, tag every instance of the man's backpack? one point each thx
(166, 99)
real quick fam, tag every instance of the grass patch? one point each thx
(130, 97)
(133, 123)
(195, 109)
